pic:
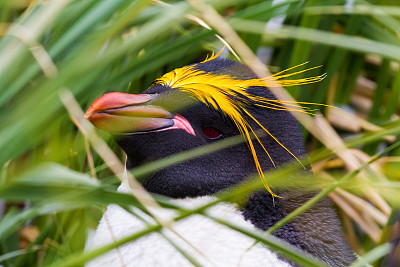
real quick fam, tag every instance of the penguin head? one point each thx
(197, 105)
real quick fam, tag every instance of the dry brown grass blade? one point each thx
(355, 121)
(389, 159)
(343, 120)
(28, 36)
(333, 141)
(43, 59)
(370, 228)
(350, 232)
(90, 161)
(361, 103)
(27, 235)
(354, 203)
(328, 163)
(364, 206)
(365, 87)
(203, 24)
(371, 193)
(374, 168)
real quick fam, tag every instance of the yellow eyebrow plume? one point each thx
(230, 96)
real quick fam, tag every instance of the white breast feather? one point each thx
(219, 245)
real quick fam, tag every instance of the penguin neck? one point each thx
(317, 231)
(263, 212)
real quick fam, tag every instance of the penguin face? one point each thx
(200, 176)
(167, 127)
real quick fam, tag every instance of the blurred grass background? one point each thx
(49, 197)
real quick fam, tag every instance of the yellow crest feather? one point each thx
(229, 95)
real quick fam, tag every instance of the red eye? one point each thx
(211, 133)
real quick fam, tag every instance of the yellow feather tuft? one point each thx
(213, 56)
(229, 95)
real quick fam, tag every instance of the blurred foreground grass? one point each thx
(49, 197)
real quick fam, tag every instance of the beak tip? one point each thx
(89, 113)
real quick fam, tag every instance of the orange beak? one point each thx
(121, 113)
